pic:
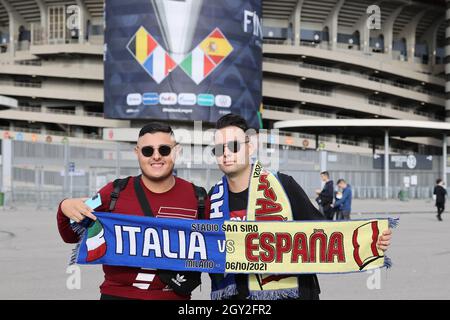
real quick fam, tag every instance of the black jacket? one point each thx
(327, 194)
(440, 193)
(302, 209)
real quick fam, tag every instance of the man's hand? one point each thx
(384, 240)
(76, 209)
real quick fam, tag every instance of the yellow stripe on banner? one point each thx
(216, 46)
(141, 45)
(303, 247)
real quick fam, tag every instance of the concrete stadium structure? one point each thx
(321, 61)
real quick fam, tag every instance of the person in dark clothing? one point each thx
(325, 196)
(440, 193)
(233, 150)
(302, 209)
(343, 203)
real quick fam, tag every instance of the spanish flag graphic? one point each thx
(206, 56)
(216, 46)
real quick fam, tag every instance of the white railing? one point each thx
(60, 111)
(345, 47)
(92, 136)
(16, 83)
(356, 74)
(39, 36)
(430, 116)
(316, 91)
(94, 114)
(298, 110)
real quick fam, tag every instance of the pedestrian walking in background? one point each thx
(325, 196)
(439, 195)
(343, 203)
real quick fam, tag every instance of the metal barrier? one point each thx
(41, 177)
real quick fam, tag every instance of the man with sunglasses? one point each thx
(233, 150)
(156, 192)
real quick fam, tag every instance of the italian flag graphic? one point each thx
(96, 244)
(197, 65)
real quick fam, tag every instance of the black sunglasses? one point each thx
(164, 150)
(233, 146)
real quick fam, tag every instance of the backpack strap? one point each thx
(143, 201)
(118, 186)
(201, 195)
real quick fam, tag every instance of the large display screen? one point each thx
(183, 59)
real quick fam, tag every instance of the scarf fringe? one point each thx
(224, 293)
(292, 293)
(393, 222)
(80, 231)
(387, 262)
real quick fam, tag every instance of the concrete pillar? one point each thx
(84, 17)
(66, 167)
(323, 161)
(79, 110)
(118, 149)
(332, 23)
(6, 182)
(444, 159)
(430, 37)
(447, 62)
(388, 29)
(409, 33)
(296, 16)
(15, 20)
(386, 164)
(43, 12)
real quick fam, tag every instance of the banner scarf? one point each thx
(262, 247)
(265, 248)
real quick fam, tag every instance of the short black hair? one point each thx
(341, 180)
(154, 127)
(325, 173)
(232, 120)
(438, 181)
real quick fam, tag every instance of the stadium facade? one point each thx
(320, 62)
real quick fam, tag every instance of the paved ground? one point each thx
(33, 259)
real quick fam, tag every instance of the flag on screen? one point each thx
(159, 64)
(142, 45)
(216, 46)
(151, 55)
(206, 56)
(197, 65)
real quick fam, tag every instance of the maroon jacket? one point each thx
(179, 202)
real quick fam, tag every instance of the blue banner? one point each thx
(159, 243)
